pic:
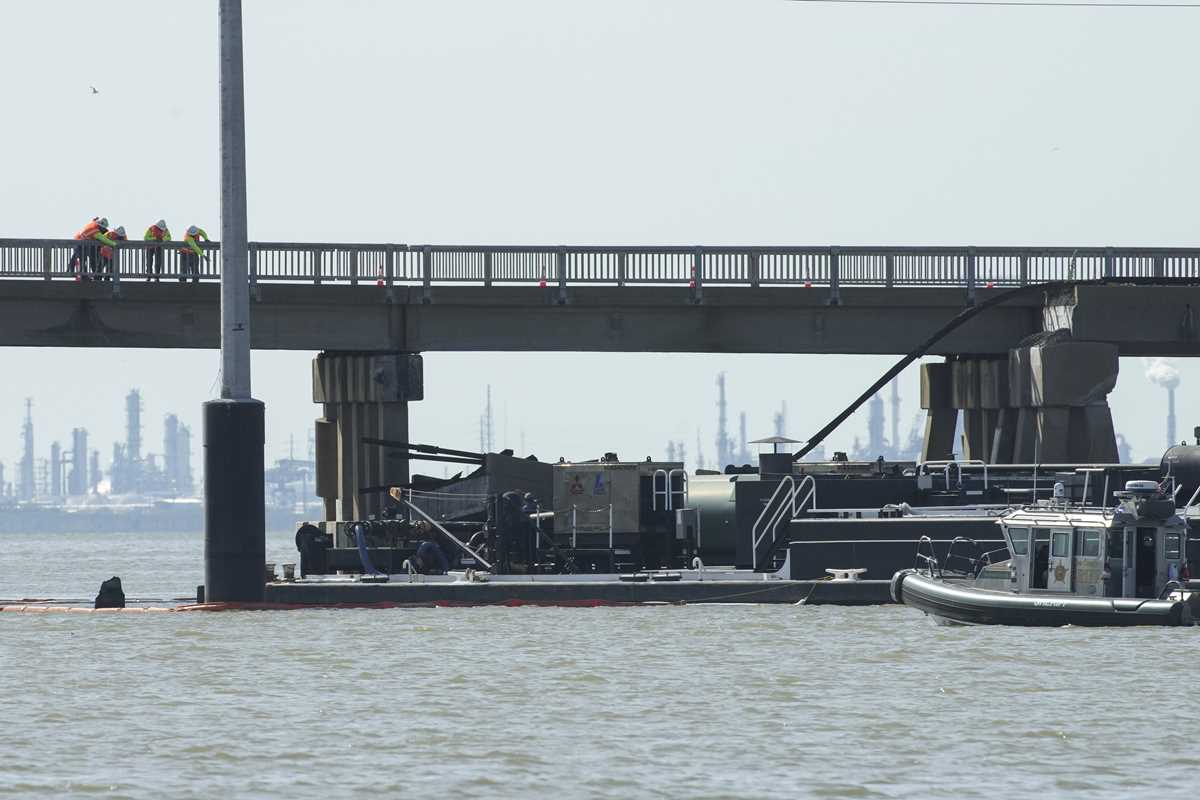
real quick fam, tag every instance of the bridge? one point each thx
(373, 308)
(425, 298)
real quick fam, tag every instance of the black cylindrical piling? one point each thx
(234, 511)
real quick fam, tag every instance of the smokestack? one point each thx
(724, 454)
(743, 456)
(896, 417)
(56, 470)
(171, 450)
(183, 450)
(77, 480)
(27, 468)
(1171, 439)
(133, 426)
(875, 442)
(1162, 372)
(94, 474)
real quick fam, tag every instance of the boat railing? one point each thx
(1171, 587)
(664, 492)
(1195, 495)
(591, 527)
(799, 503)
(927, 562)
(662, 484)
(785, 504)
(987, 557)
(768, 518)
(923, 468)
(974, 563)
(682, 491)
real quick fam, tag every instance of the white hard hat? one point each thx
(161, 225)
(102, 222)
(120, 230)
(193, 230)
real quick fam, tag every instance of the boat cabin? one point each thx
(1131, 550)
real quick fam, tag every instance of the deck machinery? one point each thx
(522, 516)
(607, 516)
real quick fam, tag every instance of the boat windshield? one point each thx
(1018, 540)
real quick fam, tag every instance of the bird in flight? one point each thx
(94, 90)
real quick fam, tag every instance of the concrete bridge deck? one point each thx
(1140, 320)
(394, 297)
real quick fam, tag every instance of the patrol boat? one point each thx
(1068, 564)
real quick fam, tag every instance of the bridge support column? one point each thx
(942, 416)
(365, 396)
(1062, 386)
(1045, 403)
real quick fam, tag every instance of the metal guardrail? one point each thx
(561, 266)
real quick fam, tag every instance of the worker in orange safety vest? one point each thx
(86, 254)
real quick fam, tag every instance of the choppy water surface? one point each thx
(701, 701)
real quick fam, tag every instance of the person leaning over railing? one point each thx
(191, 254)
(104, 269)
(154, 255)
(86, 253)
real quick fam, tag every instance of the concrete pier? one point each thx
(1046, 402)
(363, 396)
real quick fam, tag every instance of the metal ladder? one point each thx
(787, 503)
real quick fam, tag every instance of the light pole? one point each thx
(234, 510)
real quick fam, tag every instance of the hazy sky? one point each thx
(682, 122)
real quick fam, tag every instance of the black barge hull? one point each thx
(581, 593)
(970, 606)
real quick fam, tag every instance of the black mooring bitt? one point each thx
(234, 501)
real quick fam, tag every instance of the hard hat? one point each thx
(192, 230)
(161, 225)
(120, 230)
(102, 222)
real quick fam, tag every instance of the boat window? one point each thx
(1116, 540)
(1060, 544)
(1091, 544)
(1171, 545)
(1020, 540)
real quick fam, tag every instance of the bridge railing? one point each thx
(695, 266)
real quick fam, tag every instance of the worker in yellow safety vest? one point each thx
(87, 253)
(191, 254)
(154, 254)
(105, 271)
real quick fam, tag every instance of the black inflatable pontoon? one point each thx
(964, 604)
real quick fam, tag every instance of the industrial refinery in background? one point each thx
(739, 450)
(72, 487)
(69, 486)
(890, 433)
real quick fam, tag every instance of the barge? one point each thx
(518, 531)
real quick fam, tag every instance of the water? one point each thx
(701, 701)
